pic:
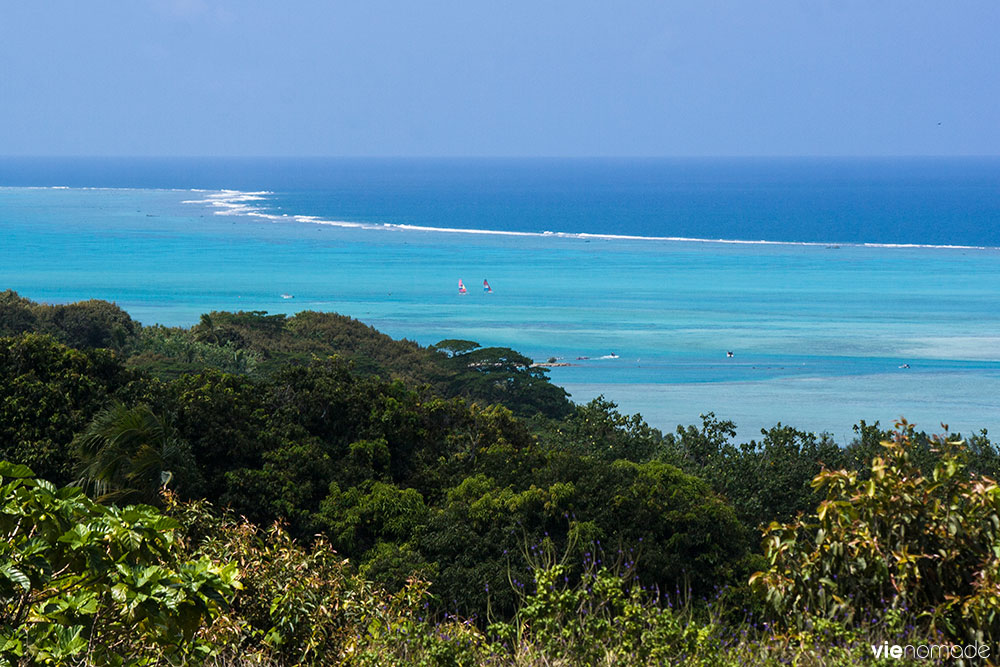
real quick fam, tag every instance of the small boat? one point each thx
(461, 287)
(486, 287)
(287, 296)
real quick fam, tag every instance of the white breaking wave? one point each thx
(235, 202)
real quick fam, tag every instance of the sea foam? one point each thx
(240, 203)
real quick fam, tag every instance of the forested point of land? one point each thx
(280, 490)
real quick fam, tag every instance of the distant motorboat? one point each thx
(461, 287)
(486, 287)
(287, 296)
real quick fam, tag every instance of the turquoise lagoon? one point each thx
(823, 334)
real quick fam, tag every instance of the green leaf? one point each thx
(15, 470)
(15, 575)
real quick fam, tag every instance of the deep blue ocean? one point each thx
(931, 201)
(847, 289)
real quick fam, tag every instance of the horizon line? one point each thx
(720, 156)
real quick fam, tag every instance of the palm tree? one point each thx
(129, 454)
(205, 331)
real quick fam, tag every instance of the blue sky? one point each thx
(523, 78)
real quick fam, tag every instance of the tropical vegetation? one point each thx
(278, 490)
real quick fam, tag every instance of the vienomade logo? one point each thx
(931, 651)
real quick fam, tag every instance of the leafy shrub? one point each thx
(927, 546)
(305, 605)
(103, 585)
(604, 617)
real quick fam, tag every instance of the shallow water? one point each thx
(819, 332)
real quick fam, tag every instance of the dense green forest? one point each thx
(280, 490)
